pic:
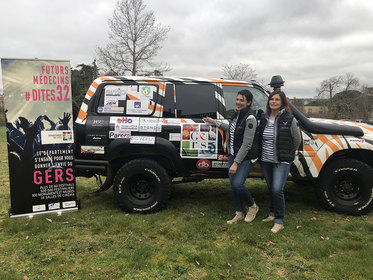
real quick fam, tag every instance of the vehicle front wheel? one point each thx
(141, 186)
(346, 186)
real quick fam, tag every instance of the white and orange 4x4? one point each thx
(142, 132)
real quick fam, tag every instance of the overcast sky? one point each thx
(304, 41)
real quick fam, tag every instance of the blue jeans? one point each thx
(276, 175)
(240, 193)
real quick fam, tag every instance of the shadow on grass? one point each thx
(216, 192)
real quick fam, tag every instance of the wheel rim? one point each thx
(347, 189)
(140, 187)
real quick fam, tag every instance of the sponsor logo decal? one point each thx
(68, 204)
(142, 140)
(203, 164)
(222, 158)
(37, 208)
(54, 206)
(119, 134)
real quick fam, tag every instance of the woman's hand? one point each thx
(233, 168)
(208, 119)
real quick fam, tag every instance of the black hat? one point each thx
(277, 81)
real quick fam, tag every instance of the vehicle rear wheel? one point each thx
(141, 186)
(346, 186)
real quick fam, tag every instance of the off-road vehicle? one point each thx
(142, 132)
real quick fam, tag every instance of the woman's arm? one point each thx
(295, 133)
(219, 124)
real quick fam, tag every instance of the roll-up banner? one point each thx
(39, 127)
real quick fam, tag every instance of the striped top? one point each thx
(232, 128)
(269, 141)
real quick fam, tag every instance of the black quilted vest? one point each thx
(239, 133)
(284, 140)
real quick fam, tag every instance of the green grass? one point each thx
(189, 239)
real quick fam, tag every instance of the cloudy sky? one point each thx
(304, 41)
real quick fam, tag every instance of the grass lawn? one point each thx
(189, 239)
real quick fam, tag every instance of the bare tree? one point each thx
(135, 39)
(350, 82)
(328, 88)
(241, 71)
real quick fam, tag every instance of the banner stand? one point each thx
(31, 215)
(40, 136)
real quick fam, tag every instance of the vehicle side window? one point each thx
(230, 93)
(195, 100)
(131, 99)
(169, 102)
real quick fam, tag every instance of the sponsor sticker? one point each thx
(198, 141)
(54, 206)
(111, 103)
(142, 140)
(174, 137)
(203, 164)
(137, 107)
(216, 164)
(93, 149)
(146, 92)
(219, 164)
(171, 121)
(38, 208)
(309, 142)
(119, 134)
(56, 137)
(222, 157)
(110, 110)
(125, 123)
(354, 140)
(68, 204)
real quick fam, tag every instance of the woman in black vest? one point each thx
(242, 153)
(279, 138)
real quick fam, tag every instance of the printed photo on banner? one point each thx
(199, 141)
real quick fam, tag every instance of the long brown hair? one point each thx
(284, 101)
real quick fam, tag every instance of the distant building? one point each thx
(315, 111)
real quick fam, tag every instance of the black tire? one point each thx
(346, 186)
(141, 186)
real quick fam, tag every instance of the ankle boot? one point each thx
(251, 213)
(239, 216)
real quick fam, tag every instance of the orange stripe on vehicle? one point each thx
(82, 115)
(317, 162)
(183, 121)
(326, 141)
(358, 145)
(90, 93)
(310, 151)
(94, 84)
(131, 97)
(338, 140)
(228, 83)
(157, 108)
(160, 85)
(367, 127)
(326, 154)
